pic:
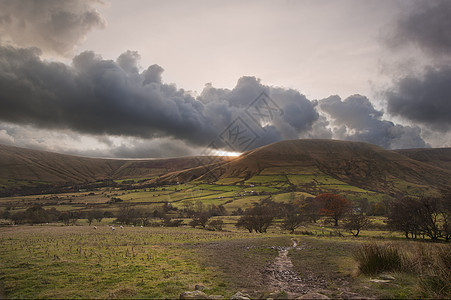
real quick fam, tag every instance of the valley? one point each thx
(158, 228)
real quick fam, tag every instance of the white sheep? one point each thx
(95, 227)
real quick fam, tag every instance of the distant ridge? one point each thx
(439, 157)
(356, 163)
(35, 165)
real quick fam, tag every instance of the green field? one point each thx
(77, 261)
(52, 261)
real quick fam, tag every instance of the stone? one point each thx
(216, 297)
(313, 296)
(386, 277)
(193, 295)
(240, 296)
(380, 281)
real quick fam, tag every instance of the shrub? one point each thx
(216, 224)
(374, 258)
(433, 265)
(430, 263)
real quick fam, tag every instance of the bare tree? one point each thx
(356, 222)
(259, 217)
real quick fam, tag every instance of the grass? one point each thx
(239, 263)
(308, 170)
(266, 179)
(375, 258)
(77, 261)
(313, 178)
(431, 264)
(54, 261)
(229, 181)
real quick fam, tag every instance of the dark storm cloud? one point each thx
(423, 97)
(292, 113)
(154, 149)
(152, 74)
(426, 24)
(296, 110)
(95, 96)
(356, 119)
(426, 99)
(104, 97)
(55, 26)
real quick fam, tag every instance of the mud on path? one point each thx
(280, 276)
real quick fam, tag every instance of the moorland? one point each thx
(340, 219)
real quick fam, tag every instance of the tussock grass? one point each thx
(431, 263)
(377, 258)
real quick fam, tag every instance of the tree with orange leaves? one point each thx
(333, 206)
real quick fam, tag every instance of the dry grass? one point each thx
(431, 263)
(377, 258)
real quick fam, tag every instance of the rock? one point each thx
(386, 277)
(216, 297)
(313, 296)
(380, 281)
(193, 295)
(199, 287)
(240, 296)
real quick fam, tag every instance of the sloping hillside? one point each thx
(439, 157)
(358, 164)
(32, 165)
(297, 164)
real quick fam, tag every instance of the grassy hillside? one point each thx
(20, 167)
(346, 165)
(302, 166)
(439, 157)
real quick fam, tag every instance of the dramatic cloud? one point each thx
(421, 92)
(103, 97)
(284, 114)
(55, 26)
(425, 100)
(156, 148)
(356, 119)
(426, 24)
(95, 96)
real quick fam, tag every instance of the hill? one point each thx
(22, 167)
(309, 166)
(358, 164)
(439, 157)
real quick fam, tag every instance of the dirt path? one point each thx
(281, 276)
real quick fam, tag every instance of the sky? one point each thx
(152, 79)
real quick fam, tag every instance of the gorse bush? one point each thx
(377, 258)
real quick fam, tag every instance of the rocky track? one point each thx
(281, 276)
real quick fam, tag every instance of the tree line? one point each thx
(415, 217)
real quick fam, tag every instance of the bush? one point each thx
(433, 265)
(430, 263)
(169, 222)
(374, 258)
(216, 224)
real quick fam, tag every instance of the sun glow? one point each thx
(226, 153)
